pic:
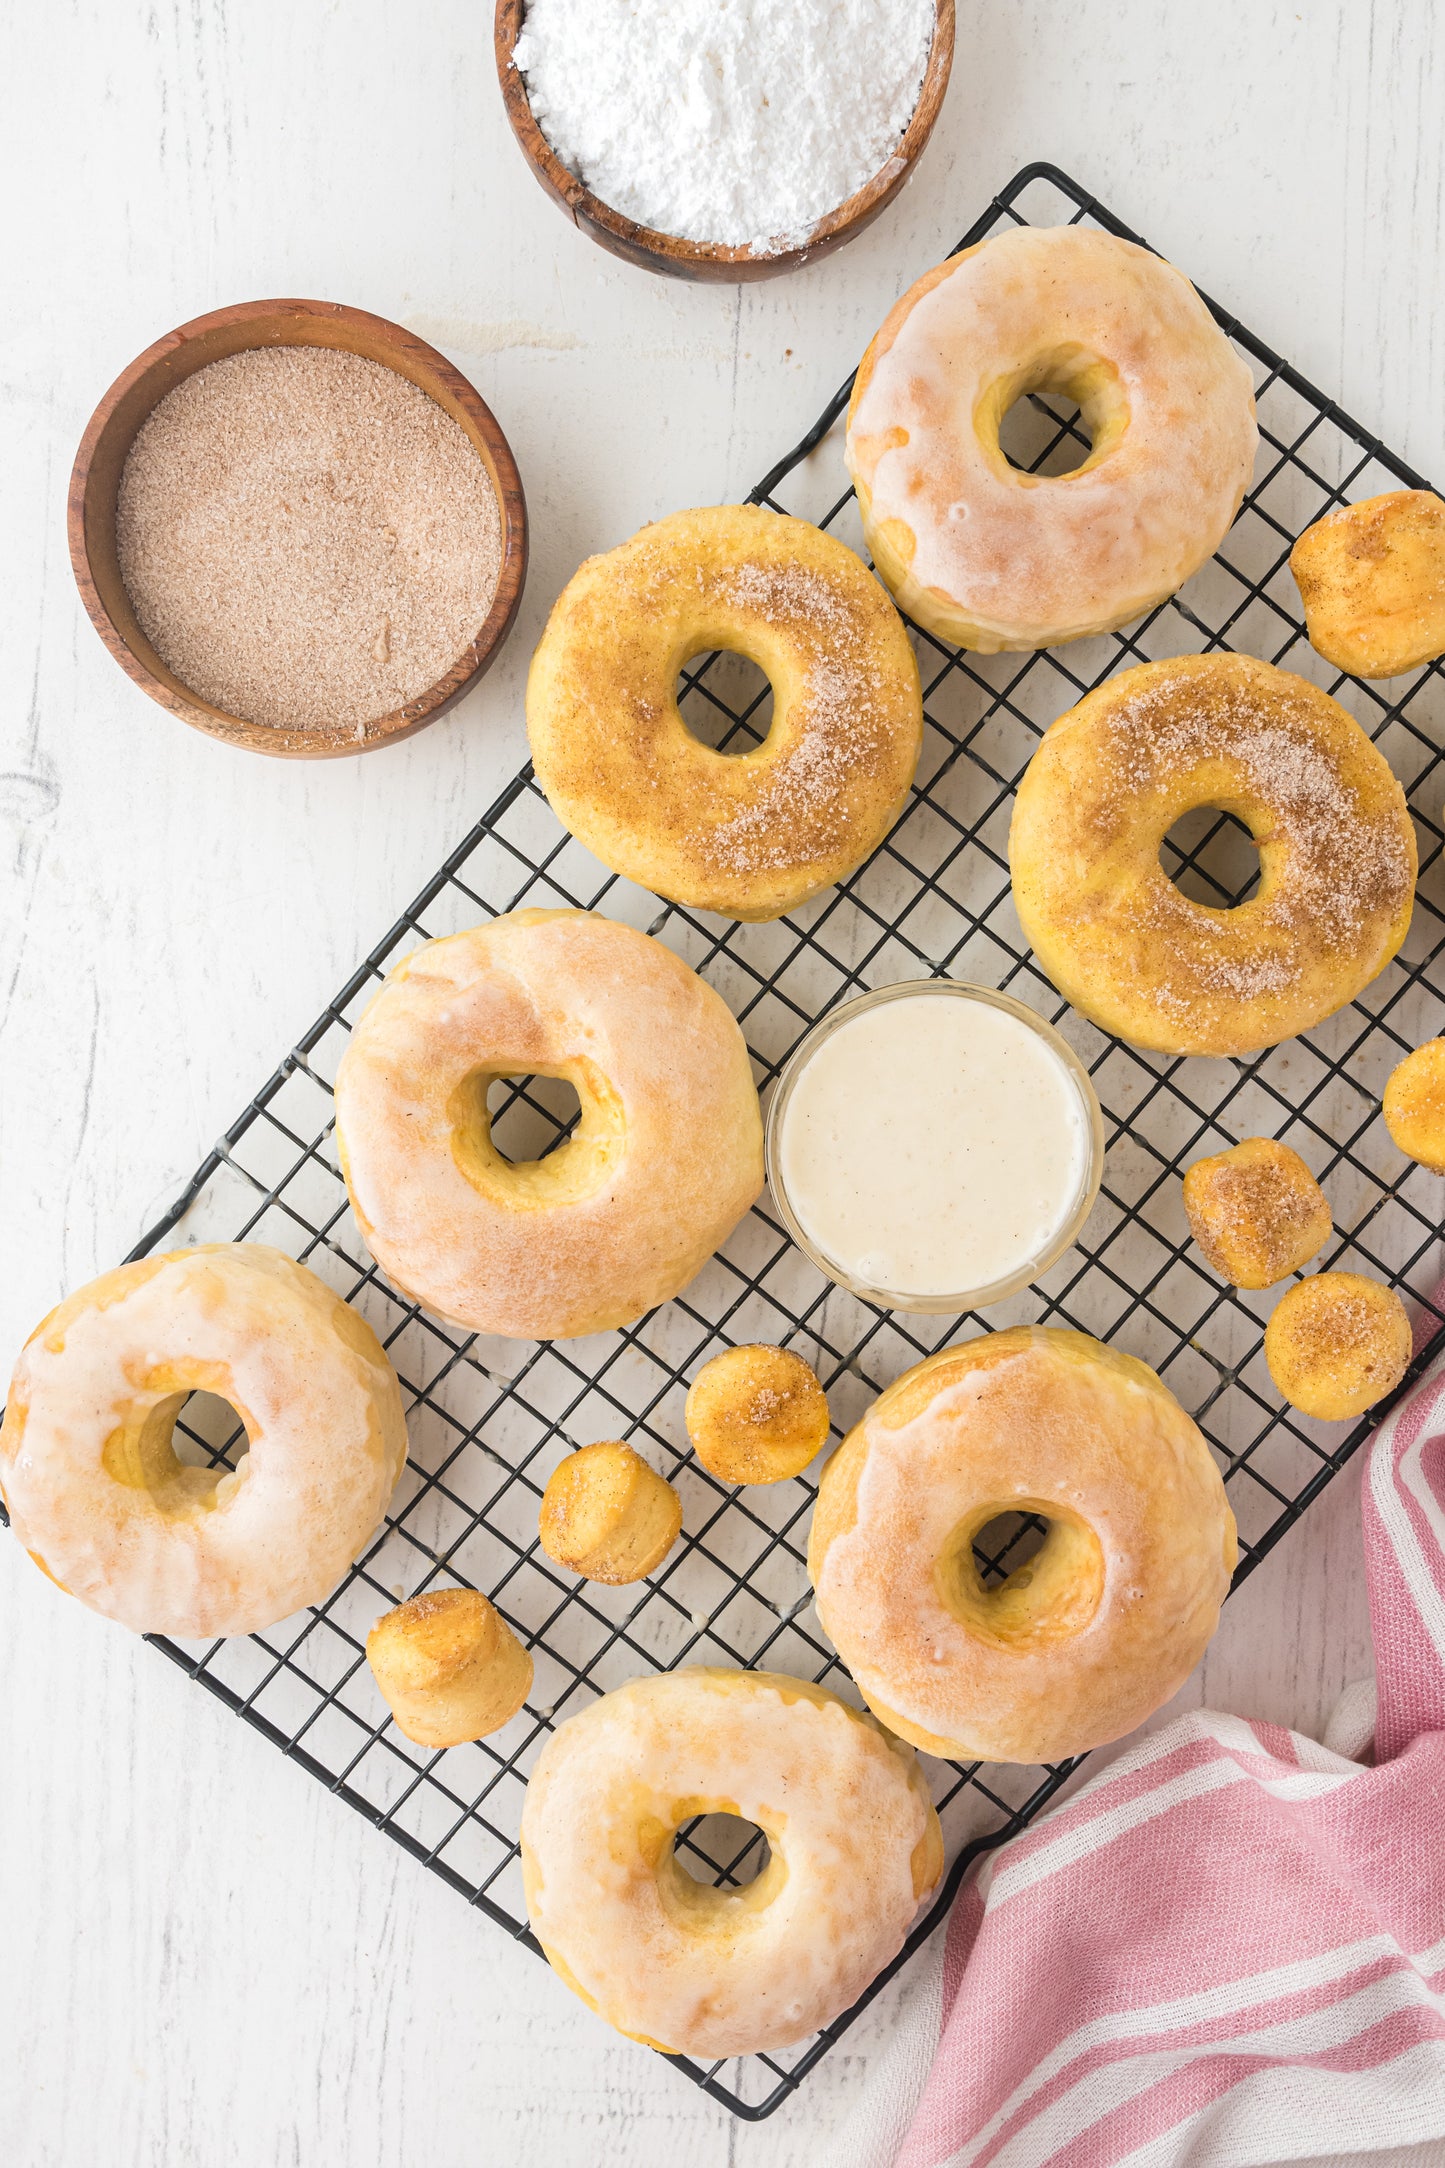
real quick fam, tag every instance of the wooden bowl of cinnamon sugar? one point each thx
(316, 548)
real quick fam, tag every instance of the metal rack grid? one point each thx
(489, 1420)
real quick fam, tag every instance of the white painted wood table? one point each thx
(205, 1958)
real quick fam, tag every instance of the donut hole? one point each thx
(721, 1851)
(209, 1434)
(1045, 436)
(1024, 1574)
(1211, 857)
(1006, 1544)
(187, 1447)
(725, 700)
(1060, 413)
(531, 1116)
(540, 1137)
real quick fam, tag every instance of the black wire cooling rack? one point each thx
(489, 1420)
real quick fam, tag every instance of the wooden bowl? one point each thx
(95, 485)
(679, 259)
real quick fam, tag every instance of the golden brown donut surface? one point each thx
(756, 1415)
(666, 1157)
(698, 1970)
(1123, 943)
(449, 1667)
(1371, 577)
(607, 1515)
(1414, 1105)
(988, 557)
(1336, 1343)
(1256, 1211)
(1100, 1627)
(750, 835)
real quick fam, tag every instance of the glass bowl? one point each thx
(1029, 1269)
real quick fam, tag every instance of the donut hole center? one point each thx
(1040, 435)
(1025, 1573)
(725, 700)
(721, 1851)
(531, 1116)
(1211, 857)
(1059, 414)
(713, 1865)
(185, 1443)
(1006, 1544)
(540, 1137)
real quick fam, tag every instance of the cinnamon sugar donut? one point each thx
(94, 1487)
(1100, 1627)
(691, 1969)
(754, 834)
(1123, 944)
(666, 1158)
(988, 557)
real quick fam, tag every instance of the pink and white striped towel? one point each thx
(1229, 1948)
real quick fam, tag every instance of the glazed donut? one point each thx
(756, 1415)
(97, 1493)
(987, 557)
(1371, 577)
(1336, 1343)
(754, 834)
(666, 1159)
(1103, 1624)
(695, 1970)
(1256, 1211)
(1129, 949)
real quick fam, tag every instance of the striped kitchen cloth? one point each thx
(1228, 1948)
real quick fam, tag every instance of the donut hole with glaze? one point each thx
(716, 1898)
(547, 1138)
(725, 699)
(1042, 1576)
(1058, 415)
(721, 1850)
(1212, 858)
(183, 1440)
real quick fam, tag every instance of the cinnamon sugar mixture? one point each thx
(307, 538)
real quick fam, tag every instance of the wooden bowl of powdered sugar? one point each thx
(298, 527)
(723, 139)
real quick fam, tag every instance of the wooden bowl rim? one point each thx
(474, 660)
(670, 248)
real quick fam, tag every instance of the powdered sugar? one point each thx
(740, 122)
